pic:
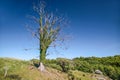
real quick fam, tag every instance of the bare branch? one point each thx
(49, 28)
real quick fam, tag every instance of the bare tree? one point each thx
(48, 31)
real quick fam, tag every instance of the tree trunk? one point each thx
(42, 59)
(43, 55)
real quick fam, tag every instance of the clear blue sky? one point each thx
(94, 25)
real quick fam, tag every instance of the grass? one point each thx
(79, 75)
(20, 70)
(23, 70)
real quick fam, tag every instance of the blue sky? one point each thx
(94, 26)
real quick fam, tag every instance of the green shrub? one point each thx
(83, 66)
(65, 64)
(55, 66)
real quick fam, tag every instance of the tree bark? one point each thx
(43, 55)
(42, 60)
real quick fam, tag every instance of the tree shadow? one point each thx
(36, 65)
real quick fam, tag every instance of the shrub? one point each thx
(83, 66)
(64, 64)
(55, 66)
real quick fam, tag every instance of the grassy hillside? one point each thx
(14, 69)
(22, 70)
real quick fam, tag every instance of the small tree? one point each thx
(48, 30)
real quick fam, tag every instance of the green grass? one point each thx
(79, 75)
(21, 70)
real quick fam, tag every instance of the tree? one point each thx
(48, 30)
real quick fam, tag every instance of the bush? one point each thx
(65, 64)
(82, 66)
(55, 66)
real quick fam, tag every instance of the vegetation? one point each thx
(82, 68)
(109, 66)
(48, 28)
(24, 70)
(79, 75)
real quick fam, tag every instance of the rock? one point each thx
(41, 67)
(98, 72)
(100, 78)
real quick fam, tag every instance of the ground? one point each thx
(23, 70)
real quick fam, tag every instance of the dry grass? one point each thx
(78, 75)
(22, 70)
